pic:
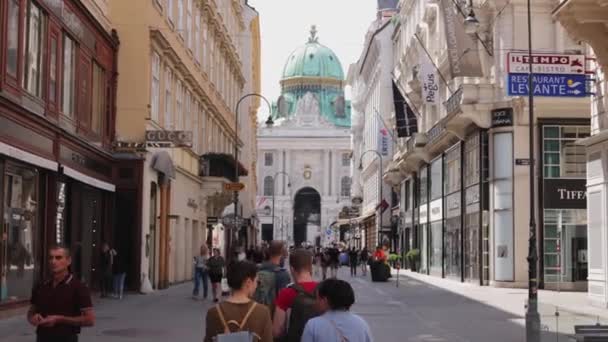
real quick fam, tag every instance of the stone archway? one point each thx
(307, 211)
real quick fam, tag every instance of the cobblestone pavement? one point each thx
(414, 312)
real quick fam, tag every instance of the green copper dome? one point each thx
(313, 60)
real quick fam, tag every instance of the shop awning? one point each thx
(406, 120)
(220, 165)
(94, 182)
(162, 162)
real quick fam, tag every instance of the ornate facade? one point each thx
(304, 161)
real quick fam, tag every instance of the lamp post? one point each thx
(269, 122)
(532, 315)
(274, 185)
(379, 187)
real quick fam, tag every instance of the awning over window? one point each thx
(162, 162)
(220, 165)
(407, 122)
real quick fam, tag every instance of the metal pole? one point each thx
(273, 193)
(532, 316)
(381, 198)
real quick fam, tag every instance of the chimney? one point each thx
(387, 8)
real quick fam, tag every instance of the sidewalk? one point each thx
(572, 307)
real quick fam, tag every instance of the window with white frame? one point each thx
(345, 185)
(195, 125)
(186, 124)
(170, 10)
(69, 76)
(268, 159)
(268, 186)
(345, 159)
(562, 157)
(155, 87)
(179, 104)
(188, 34)
(168, 98)
(180, 17)
(34, 41)
(197, 36)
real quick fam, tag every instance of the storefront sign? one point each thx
(522, 161)
(407, 218)
(565, 193)
(212, 220)
(502, 117)
(437, 210)
(68, 155)
(462, 50)
(519, 62)
(169, 138)
(548, 85)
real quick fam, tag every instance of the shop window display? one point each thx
(19, 232)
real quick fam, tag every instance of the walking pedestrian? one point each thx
(119, 274)
(201, 274)
(325, 262)
(216, 265)
(337, 323)
(353, 259)
(317, 262)
(272, 278)
(238, 313)
(334, 263)
(297, 301)
(107, 259)
(364, 257)
(60, 306)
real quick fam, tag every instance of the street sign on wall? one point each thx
(550, 85)
(546, 63)
(234, 186)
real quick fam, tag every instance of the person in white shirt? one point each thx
(337, 323)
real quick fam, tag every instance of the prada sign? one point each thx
(565, 193)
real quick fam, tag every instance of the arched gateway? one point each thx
(307, 214)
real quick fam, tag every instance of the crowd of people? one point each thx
(268, 303)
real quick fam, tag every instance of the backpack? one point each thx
(266, 291)
(239, 335)
(304, 308)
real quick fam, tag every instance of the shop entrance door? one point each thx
(85, 232)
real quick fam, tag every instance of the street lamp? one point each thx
(532, 316)
(274, 185)
(236, 147)
(379, 186)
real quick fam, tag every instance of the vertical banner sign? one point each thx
(463, 52)
(383, 139)
(429, 80)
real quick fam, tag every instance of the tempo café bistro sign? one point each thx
(563, 193)
(163, 138)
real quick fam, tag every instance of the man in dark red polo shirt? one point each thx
(62, 304)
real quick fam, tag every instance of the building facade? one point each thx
(304, 162)
(182, 71)
(373, 136)
(57, 113)
(462, 161)
(587, 21)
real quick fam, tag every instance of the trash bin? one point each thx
(379, 271)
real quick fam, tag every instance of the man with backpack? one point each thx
(298, 299)
(271, 276)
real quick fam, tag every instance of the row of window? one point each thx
(174, 106)
(200, 39)
(52, 67)
(269, 159)
(345, 186)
